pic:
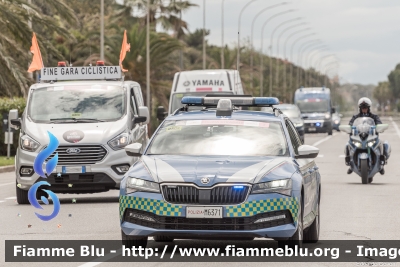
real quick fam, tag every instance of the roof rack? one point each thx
(81, 73)
(237, 100)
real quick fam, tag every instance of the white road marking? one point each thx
(395, 126)
(7, 184)
(11, 198)
(320, 156)
(105, 258)
(323, 140)
(1, 201)
(342, 156)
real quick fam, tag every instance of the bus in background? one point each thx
(201, 83)
(316, 109)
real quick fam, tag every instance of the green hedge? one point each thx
(5, 105)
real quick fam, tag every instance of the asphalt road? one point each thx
(349, 209)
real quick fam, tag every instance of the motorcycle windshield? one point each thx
(363, 125)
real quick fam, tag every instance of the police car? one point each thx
(221, 172)
(94, 114)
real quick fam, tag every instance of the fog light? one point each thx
(141, 217)
(121, 169)
(318, 124)
(26, 171)
(268, 219)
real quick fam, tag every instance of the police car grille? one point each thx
(220, 195)
(140, 217)
(89, 154)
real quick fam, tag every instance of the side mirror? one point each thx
(333, 110)
(134, 150)
(161, 113)
(307, 152)
(380, 128)
(139, 119)
(345, 128)
(13, 118)
(341, 115)
(144, 112)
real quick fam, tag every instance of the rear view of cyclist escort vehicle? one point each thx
(93, 114)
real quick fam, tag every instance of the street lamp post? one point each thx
(306, 57)
(327, 69)
(271, 48)
(311, 57)
(262, 45)
(284, 58)
(251, 38)
(291, 55)
(318, 66)
(222, 36)
(204, 34)
(102, 30)
(240, 17)
(302, 49)
(148, 56)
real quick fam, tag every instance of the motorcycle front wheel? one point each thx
(364, 171)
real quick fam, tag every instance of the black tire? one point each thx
(163, 238)
(22, 196)
(364, 171)
(311, 235)
(130, 241)
(330, 131)
(297, 238)
(370, 180)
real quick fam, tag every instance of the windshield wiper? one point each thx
(75, 120)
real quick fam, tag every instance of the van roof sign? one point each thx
(81, 73)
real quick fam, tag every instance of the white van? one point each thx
(93, 114)
(201, 83)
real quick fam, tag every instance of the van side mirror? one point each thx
(161, 113)
(134, 150)
(144, 112)
(333, 110)
(13, 119)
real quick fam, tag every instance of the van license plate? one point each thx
(312, 129)
(73, 169)
(203, 212)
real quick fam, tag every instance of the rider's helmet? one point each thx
(364, 102)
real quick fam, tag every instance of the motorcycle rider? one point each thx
(364, 105)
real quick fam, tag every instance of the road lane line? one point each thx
(11, 198)
(323, 140)
(395, 126)
(105, 258)
(7, 184)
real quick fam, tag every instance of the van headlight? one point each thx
(120, 141)
(28, 144)
(139, 185)
(283, 187)
(327, 115)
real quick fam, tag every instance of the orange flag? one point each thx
(37, 62)
(124, 48)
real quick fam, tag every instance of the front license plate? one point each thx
(73, 169)
(203, 212)
(312, 129)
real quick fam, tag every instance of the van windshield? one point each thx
(309, 105)
(77, 103)
(177, 97)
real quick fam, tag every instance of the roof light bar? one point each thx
(235, 100)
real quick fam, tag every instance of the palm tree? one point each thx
(16, 34)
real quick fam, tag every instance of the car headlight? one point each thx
(28, 144)
(120, 141)
(371, 143)
(327, 115)
(336, 122)
(139, 185)
(283, 187)
(357, 144)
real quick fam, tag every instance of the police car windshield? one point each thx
(177, 98)
(76, 103)
(219, 137)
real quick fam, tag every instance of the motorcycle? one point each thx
(367, 154)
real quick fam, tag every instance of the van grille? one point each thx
(89, 154)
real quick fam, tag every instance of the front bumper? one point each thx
(317, 126)
(162, 218)
(99, 177)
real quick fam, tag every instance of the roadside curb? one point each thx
(9, 168)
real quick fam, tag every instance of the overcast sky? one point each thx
(363, 34)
